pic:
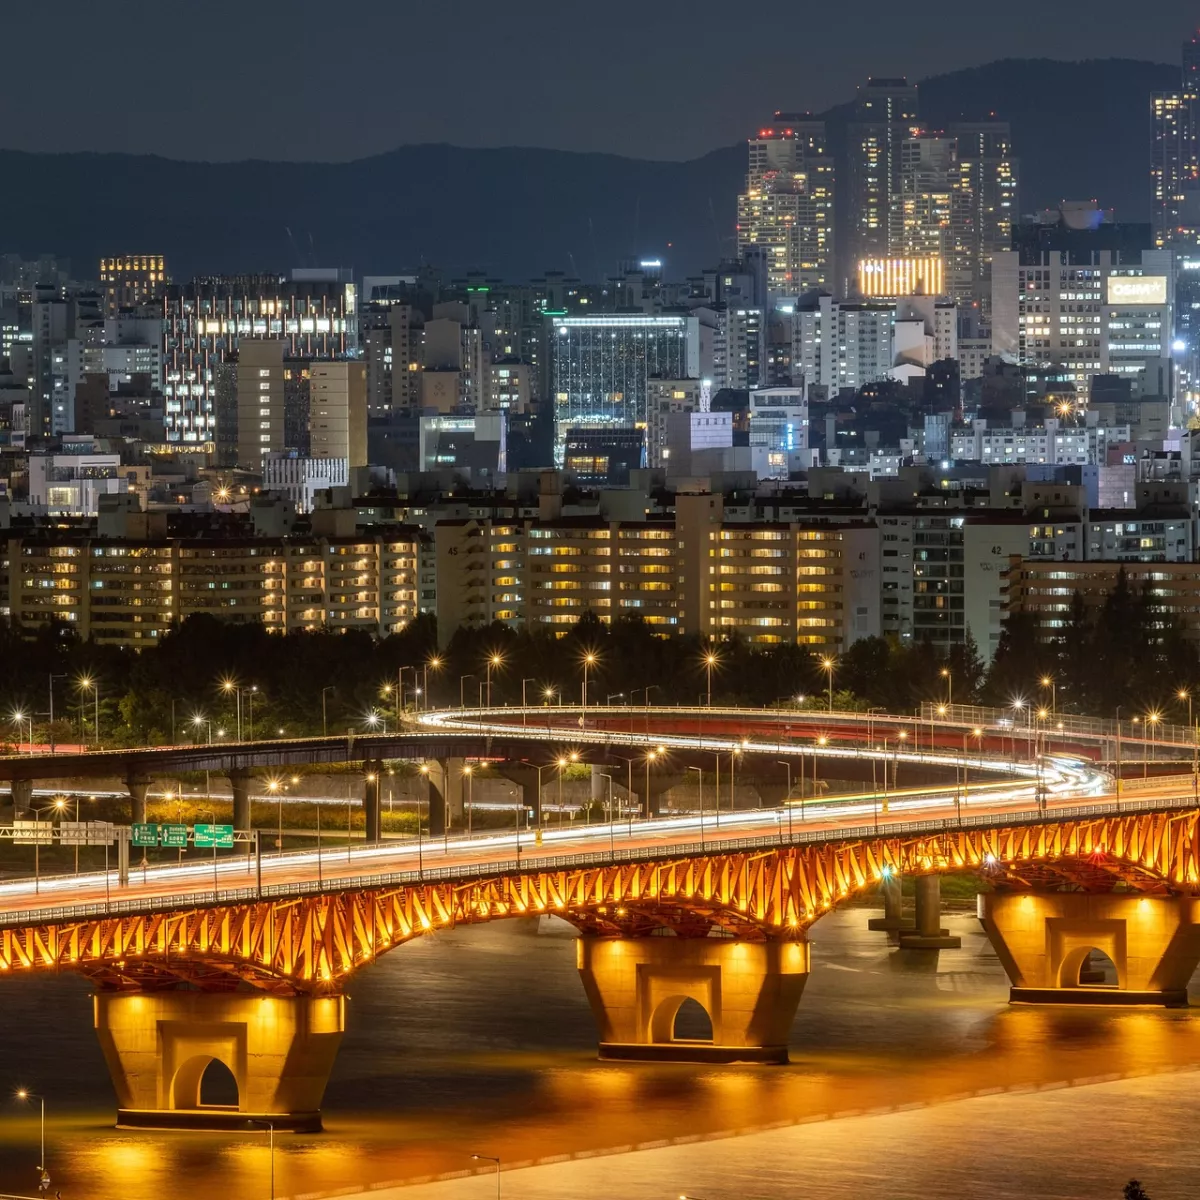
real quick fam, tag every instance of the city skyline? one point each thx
(566, 99)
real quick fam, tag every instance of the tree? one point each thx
(1135, 1191)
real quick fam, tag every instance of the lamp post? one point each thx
(589, 660)
(469, 772)
(212, 816)
(492, 1159)
(494, 660)
(949, 678)
(462, 679)
(612, 842)
(86, 683)
(230, 688)
(524, 702)
(434, 663)
(829, 664)
(710, 660)
(24, 1094)
(19, 719)
(57, 806)
(324, 715)
(647, 807)
(1152, 719)
(1048, 681)
(787, 800)
(700, 784)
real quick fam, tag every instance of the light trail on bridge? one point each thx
(1059, 778)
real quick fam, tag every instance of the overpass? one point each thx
(246, 963)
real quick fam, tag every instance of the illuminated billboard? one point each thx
(1148, 290)
(887, 278)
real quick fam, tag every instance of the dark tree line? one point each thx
(1125, 653)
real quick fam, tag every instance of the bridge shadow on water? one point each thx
(481, 1040)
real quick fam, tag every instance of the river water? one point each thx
(910, 1076)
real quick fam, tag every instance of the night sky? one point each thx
(319, 79)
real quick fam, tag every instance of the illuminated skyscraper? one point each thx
(885, 116)
(787, 206)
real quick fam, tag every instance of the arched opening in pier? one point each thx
(692, 1023)
(1089, 967)
(204, 1082)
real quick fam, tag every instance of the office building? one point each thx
(843, 346)
(738, 347)
(778, 433)
(885, 117)
(787, 208)
(1082, 296)
(601, 367)
(207, 320)
(337, 411)
(300, 480)
(260, 402)
(131, 280)
(988, 177)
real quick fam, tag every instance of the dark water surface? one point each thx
(481, 1040)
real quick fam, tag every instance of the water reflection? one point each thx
(481, 1039)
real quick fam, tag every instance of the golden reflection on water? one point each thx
(873, 1035)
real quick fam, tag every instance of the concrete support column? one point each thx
(892, 921)
(1045, 942)
(22, 797)
(371, 807)
(445, 794)
(750, 990)
(928, 933)
(138, 786)
(660, 782)
(239, 783)
(279, 1049)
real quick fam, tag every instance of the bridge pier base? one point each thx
(661, 782)
(749, 990)
(279, 1049)
(1044, 941)
(928, 933)
(892, 922)
(239, 785)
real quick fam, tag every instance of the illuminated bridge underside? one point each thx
(311, 944)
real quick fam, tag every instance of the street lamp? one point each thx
(432, 664)
(700, 785)
(19, 719)
(647, 807)
(711, 660)
(492, 1159)
(1048, 681)
(590, 659)
(324, 714)
(787, 803)
(496, 660)
(85, 683)
(829, 664)
(57, 806)
(1152, 719)
(945, 674)
(24, 1094)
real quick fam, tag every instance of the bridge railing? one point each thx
(1017, 722)
(469, 874)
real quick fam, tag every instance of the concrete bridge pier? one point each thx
(445, 794)
(138, 786)
(750, 991)
(1046, 940)
(928, 933)
(660, 782)
(279, 1049)
(239, 785)
(372, 810)
(892, 922)
(22, 798)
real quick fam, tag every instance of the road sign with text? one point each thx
(86, 833)
(145, 835)
(31, 832)
(175, 837)
(219, 837)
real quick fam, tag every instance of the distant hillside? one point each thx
(1081, 129)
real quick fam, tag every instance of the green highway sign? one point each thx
(219, 837)
(145, 835)
(175, 837)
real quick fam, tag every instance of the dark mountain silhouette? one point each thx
(1081, 130)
